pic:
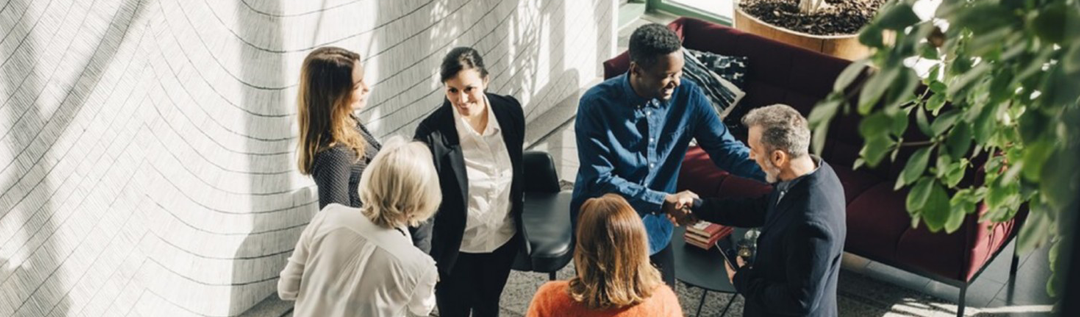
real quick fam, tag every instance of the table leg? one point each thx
(704, 293)
(732, 300)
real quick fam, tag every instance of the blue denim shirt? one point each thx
(635, 147)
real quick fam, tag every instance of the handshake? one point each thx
(677, 207)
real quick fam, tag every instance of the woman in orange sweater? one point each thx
(614, 277)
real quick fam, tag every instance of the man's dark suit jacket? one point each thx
(442, 237)
(799, 249)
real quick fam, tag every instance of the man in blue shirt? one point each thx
(633, 131)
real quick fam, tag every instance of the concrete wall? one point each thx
(147, 146)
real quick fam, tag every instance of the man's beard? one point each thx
(772, 173)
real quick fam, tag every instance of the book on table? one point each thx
(704, 234)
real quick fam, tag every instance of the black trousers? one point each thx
(476, 282)
(664, 260)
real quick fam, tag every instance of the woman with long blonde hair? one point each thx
(334, 147)
(614, 275)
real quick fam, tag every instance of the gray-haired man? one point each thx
(802, 219)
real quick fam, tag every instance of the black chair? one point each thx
(546, 218)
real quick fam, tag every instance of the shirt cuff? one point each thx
(655, 199)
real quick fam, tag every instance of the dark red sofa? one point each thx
(879, 227)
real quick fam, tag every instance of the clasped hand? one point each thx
(677, 208)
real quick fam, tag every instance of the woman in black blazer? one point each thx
(476, 140)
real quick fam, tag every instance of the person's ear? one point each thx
(635, 69)
(779, 158)
(485, 84)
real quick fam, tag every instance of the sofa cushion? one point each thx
(722, 93)
(731, 68)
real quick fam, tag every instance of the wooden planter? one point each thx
(842, 46)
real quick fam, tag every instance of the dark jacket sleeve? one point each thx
(421, 235)
(807, 268)
(331, 173)
(745, 213)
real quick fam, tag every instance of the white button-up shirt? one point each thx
(488, 224)
(345, 265)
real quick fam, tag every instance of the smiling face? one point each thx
(659, 80)
(466, 92)
(361, 90)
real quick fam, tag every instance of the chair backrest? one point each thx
(540, 174)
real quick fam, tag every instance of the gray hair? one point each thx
(783, 128)
(400, 187)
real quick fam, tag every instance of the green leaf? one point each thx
(859, 162)
(875, 125)
(935, 71)
(817, 140)
(956, 217)
(999, 86)
(902, 89)
(944, 121)
(1033, 125)
(955, 172)
(922, 122)
(1035, 156)
(981, 18)
(985, 123)
(1000, 195)
(871, 37)
(959, 140)
(875, 149)
(935, 213)
(918, 195)
(875, 87)
(1049, 24)
(914, 168)
(899, 123)
(850, 73)
(928, 51)
(897, 17)
(935, 102)
(938, 87)
(1057, 180)
(1036, 229)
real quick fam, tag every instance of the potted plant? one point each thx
(1010, 71)
(826, 26)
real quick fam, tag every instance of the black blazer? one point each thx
(798, 252)
(442, 237)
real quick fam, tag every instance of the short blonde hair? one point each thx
(400, 187)
(612, 256)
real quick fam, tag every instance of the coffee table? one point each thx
(701, 268)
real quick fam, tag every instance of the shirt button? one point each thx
(651, 140)
(652, 165)
(648, 113)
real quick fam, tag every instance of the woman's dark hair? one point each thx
(459, 59)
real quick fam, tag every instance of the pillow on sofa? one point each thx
(723, 94)
(732, 68)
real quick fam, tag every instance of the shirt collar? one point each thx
(787, 185)
(464, 128)
(633, 98)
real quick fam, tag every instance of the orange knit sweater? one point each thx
(553, 299)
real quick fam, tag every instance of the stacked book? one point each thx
(704, 234)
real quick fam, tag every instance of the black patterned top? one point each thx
(337, 172)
